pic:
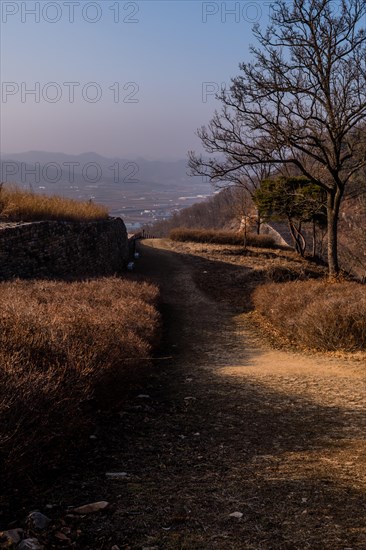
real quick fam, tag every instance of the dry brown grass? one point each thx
(19, 205)
(65, 346)
(295, 302)
(316, 314)
(221, 237)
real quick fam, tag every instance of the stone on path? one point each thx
(116, 475)
(236, 515)
(10, 537)
(37, 521)
(30, 544)
(92, 507)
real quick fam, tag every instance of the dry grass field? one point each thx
(17, 204)
(316, 314)
(66, 349)
(221, 237)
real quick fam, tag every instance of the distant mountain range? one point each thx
(172, 172)
(138, 190)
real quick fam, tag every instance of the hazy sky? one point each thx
(117, 77)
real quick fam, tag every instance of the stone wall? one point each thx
(61, 249)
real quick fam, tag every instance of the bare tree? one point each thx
(300, 102)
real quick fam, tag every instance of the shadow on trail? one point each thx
(203, 445)
(198, 445)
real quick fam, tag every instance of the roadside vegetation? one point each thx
(17, 205)
(66, 350)
(297, 201)
(222, 237)
(316, 314)
(289, 297)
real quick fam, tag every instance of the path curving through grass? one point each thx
(226, 425)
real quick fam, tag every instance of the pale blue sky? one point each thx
(166, 56)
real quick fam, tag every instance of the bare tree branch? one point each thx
(301, 101)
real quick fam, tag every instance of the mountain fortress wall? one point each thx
(54, 249)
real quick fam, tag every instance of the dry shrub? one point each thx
(283, 274)
(316, 314)
(19, 205)
(221, 237)
(65, 346)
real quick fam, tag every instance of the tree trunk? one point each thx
(298, 238)
(293, 234)
(314, 239)
(333, 204)
(245, 233)
(258, 223)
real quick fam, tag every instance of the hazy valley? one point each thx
(140, 191)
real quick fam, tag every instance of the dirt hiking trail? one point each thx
(231, 444)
